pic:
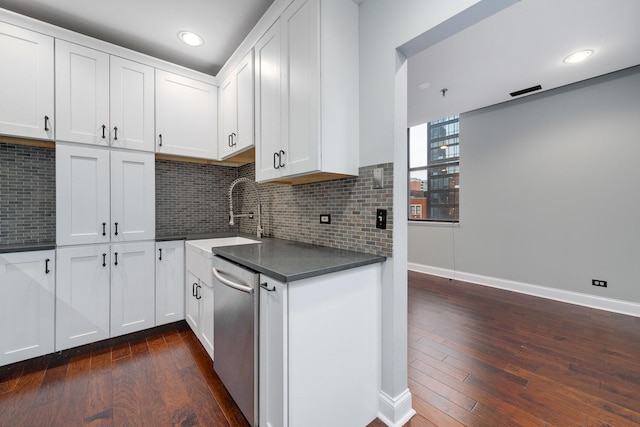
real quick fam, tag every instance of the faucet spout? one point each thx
(259, 230)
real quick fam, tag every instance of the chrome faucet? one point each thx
(259, 231)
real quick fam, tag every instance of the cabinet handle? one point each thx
(46, 266)
(193, 289)
(46, 123)
(116, 255)
(116, 224)
(103, 129)
(280, 164)
(115, 131)
(234, 139)
(160, 139)
(104, 228)
(229, 140)
(275, 165)
(265, 286)
(160, 254)
(198, 296)
(104, 260)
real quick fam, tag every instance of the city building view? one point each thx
(434, 170)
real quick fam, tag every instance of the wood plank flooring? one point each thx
(477, 357)
(161, 377)
(486, 357)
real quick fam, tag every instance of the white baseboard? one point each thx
(592, 301)
(395, 412)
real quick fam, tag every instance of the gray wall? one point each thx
(548, 191)
(27, 194)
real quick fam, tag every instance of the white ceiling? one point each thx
(522, 46)
(151, 26)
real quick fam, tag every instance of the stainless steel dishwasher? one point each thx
(235, 333)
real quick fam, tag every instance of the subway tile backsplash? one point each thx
(293, 212)
(192, 198)
(27, 194)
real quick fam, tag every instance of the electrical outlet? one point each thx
(601, 283)
(381, 218)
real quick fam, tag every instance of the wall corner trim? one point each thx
(592, 301)
(395, 412)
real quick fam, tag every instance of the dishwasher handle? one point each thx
(247, 289)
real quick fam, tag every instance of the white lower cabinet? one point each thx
(169, 282)
(320, 349)
(27, 281)
(103, 291)
(199, 309)
(82, 295)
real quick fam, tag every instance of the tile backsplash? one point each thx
(293, 212)
(27, 194)
(191, 198)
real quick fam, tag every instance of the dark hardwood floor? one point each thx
(477, 357)
(486, 357)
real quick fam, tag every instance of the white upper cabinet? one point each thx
(103, 100)
(103, 195)
(307, 93)
(26, 305)
(186, 116)
(236, 110)
(82, 94)
(26, 83)
(132, 105)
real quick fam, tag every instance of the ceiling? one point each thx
(519, 47)
(151, 26)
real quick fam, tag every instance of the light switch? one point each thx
(381, 218)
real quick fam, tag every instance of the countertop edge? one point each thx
(26, 247)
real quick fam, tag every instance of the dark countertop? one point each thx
(26, 247)
(288, 261)
(199, 236)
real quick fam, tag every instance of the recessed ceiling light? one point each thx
(578, 56)
(192, 39)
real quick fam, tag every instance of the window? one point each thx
(434, 170)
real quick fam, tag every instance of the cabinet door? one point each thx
(82, 195)
(244, 103)
(268, 107)
(228, 117)
(132, 105)
(301, 95)
(82, 94)
(132, 287)
(26, 305)
(169, 282)
(273, 353)
(82, 295)
(133, 207)
(205, 292)
(26, 83)
(192, 304)
(186, 116)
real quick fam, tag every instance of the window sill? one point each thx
(419, 223)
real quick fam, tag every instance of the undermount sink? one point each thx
(204, 246)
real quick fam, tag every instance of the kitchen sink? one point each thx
(204, 246)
